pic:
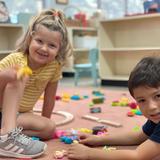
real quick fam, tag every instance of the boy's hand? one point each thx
(91, 140)
(79, 152)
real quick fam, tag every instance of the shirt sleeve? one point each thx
(152, 130)
(11, 60)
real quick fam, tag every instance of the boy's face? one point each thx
(148, 100)
(44, 47)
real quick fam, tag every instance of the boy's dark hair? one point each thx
(145, 73)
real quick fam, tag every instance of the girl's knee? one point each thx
(49, 129)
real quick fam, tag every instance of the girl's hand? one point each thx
(79, 152)
(91, 140)
(10, 75)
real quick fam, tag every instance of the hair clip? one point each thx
(56, 14)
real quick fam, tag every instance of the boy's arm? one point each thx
(49, 99)
(146, 151)
(118, 138)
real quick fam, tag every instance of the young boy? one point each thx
(144, 86)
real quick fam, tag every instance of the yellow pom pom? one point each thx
(24, 71)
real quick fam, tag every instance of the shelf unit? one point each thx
(9, 34)
(123, 42)
(79, 54)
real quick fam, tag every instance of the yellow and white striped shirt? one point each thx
(38, 80)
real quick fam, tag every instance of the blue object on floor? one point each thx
(91, 67)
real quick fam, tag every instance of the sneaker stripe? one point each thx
(9, 146)
(20, 150)
(14, 149)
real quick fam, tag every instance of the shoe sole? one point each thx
(16, 155)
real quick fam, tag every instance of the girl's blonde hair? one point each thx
(54, 21)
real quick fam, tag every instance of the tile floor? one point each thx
(86, 82)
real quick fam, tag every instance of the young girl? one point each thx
(44, 48)
(144, 86)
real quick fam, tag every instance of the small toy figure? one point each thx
(97, 129)
(108, 149)
(60, 154)
(95, 110)
(68, 139)
(98, 100)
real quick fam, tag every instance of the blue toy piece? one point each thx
(75, 97)
(62, 139)
(85, 96)
(95, 110)
(138, 112)
(68, 139)
(35, 138)
(97, 93)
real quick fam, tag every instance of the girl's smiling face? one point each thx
(148, 100)
(44, 47)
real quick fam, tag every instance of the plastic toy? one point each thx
(85, 96)
(58, 98)
(85, 130)
(108, 149)
(65, 97)
(103, 121)
(60, 154)
(75, 142)
(134, 112)
(98, 129)
(98, 100)
(136, 128)
(115, 103)
(68, 139)
(35, 138)
(97, 93)
(59, 133)
(130, 114)
(138, 112)
(91, 104)
(75, 97)
(68, 116)
(132, 105)
(95, 110)
(24, 71)
(122, 102)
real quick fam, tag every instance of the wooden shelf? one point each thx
(80, 55)
(5, 52)
(123, 42)
(131, 50)
(9, 34)
(134, 17)
(80, 50)
(83, 28)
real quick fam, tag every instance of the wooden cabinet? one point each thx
(123, 42)
(80, 54)
(9, 34)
